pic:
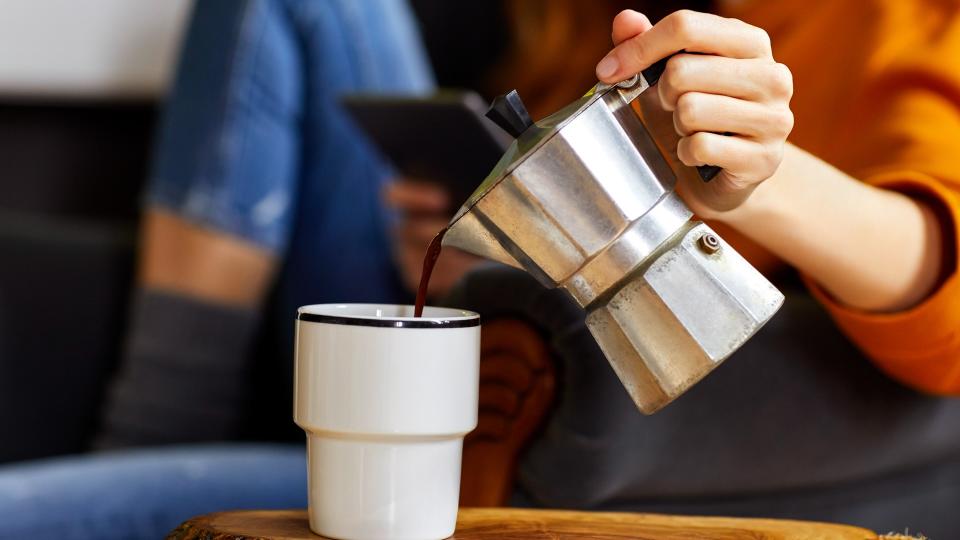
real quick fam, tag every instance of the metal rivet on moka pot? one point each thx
(584, 200)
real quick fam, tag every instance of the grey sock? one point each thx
(182, 375)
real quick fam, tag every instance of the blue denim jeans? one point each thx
(255, 144)
(135, 494)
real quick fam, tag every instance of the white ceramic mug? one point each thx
(385, 400)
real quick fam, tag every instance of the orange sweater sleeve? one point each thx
(921, 346)
(908, 140)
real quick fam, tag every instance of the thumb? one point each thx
(629, 23)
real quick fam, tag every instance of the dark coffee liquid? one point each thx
(429, 261)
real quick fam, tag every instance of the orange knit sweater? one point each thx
(878, 96)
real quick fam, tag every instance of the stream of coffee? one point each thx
(429, 261)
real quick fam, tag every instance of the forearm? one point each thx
(872, 249)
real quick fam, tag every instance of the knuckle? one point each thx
(784, 122)
(781, 81)
(683, 151)
(688, 109)
(681, 126)
(667, 96)
(682, 23)
(762, 39)
(677, 71)
(700, 147)
(756, 38)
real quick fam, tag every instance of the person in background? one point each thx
(260, 187)
(265, 197)
(256, 187)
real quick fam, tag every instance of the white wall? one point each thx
(89, 48)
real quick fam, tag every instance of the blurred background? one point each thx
(82, 88)
(81, 84)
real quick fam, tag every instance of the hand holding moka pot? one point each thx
(584, 200)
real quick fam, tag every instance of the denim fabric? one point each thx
(255, 144)
(136, 494)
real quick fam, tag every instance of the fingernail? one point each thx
(607, 67)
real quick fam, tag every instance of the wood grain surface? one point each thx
(517, 524)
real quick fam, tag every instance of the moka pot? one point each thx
(585, 200)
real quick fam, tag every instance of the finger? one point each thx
(723, 114)
(411, 195)
(505, 369)
(498, 398)
(750, 79)
(684, 30)
(629, 23)
(744, 161)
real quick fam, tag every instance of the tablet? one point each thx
(443, 138)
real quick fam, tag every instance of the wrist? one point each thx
(767, 203)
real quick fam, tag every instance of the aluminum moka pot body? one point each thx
(584, 200)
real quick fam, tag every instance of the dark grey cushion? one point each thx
(796, 424)
(63, 294)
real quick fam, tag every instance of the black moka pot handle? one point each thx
(652, 75)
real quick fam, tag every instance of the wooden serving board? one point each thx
(517, 524)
